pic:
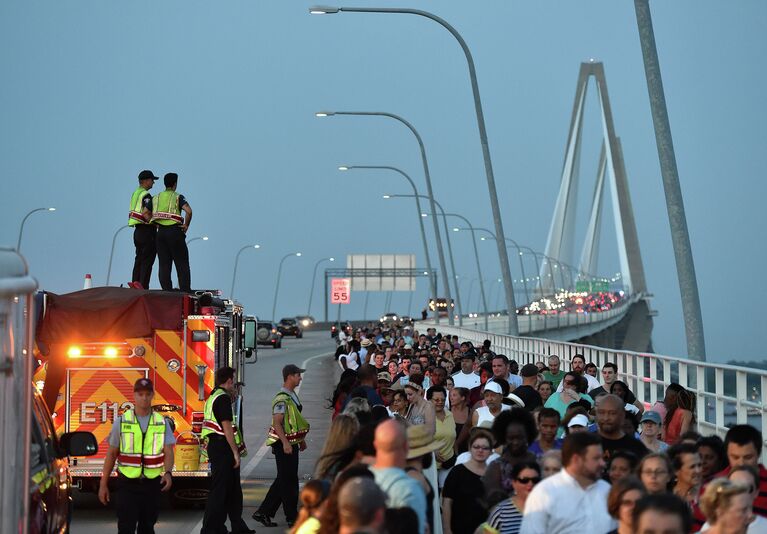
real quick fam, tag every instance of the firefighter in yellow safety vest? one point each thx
(222, 437)
(141, 442)
(144, 233)
(172, 214)
(287, 437)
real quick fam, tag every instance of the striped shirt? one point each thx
(506, 518)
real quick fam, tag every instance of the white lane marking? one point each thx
(306, 362)
(253, 463)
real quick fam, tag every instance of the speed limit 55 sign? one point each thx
(340, 290)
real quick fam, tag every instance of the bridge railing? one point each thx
(724, 394)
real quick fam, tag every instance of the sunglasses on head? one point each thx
(527, 480)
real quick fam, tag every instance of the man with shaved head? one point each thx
(610, 416)
(390, 443)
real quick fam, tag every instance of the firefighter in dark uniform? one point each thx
(287, 436)
(141, 441)
(225, 447)
(171, 234)
(143, 232)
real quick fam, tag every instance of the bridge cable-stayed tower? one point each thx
(611, 168)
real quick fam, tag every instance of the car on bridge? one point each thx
(289, 326)
(390, 319)
(267, 334)
(305, 320)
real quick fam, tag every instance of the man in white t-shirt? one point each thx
(466, 377)
(349, 361)
(574, 501)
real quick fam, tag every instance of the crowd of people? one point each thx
(432, 434)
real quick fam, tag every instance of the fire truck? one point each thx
(92, 345)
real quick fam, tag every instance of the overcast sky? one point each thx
(224, 94)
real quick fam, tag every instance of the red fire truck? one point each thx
(92, 345)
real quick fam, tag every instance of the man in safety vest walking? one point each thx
(287, 436)
(225, 446)
(144, 233)
(171, 234)
(141, 441)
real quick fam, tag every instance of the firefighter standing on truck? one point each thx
(286, 436)
(141, 441)
(143, 232)
(171, 234)
(225, 446)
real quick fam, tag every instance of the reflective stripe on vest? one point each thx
(141, 453)
(165, 208)
(209, 423)
(136, 213)
(211, 426)
(294, 425)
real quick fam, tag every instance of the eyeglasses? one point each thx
(480, 448)
(654, 473)
(528, 480)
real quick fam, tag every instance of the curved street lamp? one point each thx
(503, 256)
(314, 277)
(236, 261)
(24, 220)
(432, 283)
(277, 285)
(449, 250)
(427, 175)
(200, 238)
(112, 252)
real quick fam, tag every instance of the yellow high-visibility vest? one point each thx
(211, 426)
(136, 213)
(165, 208)
(141, 453)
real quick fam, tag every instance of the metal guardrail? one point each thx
(725, 394)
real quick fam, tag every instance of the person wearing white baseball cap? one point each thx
(493, 396)
(579, 423)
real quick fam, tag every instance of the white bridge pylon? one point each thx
(559, 244)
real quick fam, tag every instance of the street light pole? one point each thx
(314, 277)
(201, 238)
(522, 266)
(449, 251)
(502, 253)
(521, 261)
(476, 257)
(432, 284)
(112, 252)
(237, 261)
(430, 193)
(277, 285)
(24, 220)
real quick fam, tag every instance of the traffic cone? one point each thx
(88, 283)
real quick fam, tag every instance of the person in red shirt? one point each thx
(743, 445)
